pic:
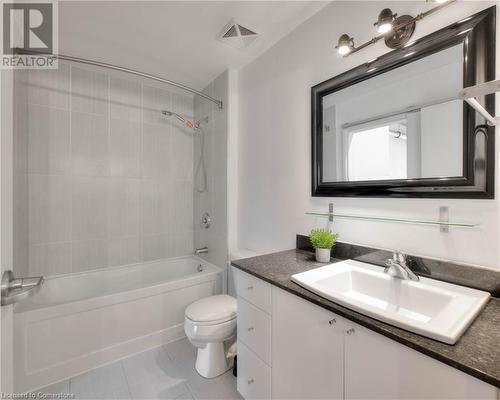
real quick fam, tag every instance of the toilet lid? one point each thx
(213, 309)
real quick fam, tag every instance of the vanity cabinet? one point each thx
(308, 350)
(377, 367)
(296, 349)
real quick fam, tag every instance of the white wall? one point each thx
(274, 146)
(103, 179)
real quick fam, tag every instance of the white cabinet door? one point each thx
(379, 368)
(307, 351)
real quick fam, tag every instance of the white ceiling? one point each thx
(174, 39)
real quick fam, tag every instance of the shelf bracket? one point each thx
(330, 212)
(470, 93)
(444, 218)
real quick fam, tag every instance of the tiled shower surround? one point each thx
(101, 177)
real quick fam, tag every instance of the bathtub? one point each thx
(80, 321)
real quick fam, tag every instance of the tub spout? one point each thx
(201, 250)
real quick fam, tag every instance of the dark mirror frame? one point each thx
(477, 35)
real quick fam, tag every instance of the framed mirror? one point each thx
(395, 127)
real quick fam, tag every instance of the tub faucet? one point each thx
(201, 250)
(397, 267)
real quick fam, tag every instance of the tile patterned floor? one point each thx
(165, 372)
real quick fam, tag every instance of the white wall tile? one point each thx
(50, 87)
(124, 250)
(124, 207)
(181, 154)
(157, 246)
(49, 140)
(49, 208)
(158, 208)
(89, 144)
(106, 179)
(49, 259)
(89, 208)
(125, 99)
(125, 148)
(89, 254)
(156, 150)
(182, 198)
(154, 100)
(89, 91)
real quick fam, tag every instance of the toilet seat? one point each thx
(212, 310)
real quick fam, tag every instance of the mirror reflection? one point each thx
(403, 124)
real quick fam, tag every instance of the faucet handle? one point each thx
(399, 256)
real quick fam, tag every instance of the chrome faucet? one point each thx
(397, 267)
(201, 250)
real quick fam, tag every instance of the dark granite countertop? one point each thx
(477, 352)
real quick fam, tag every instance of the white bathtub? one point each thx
(78, 322)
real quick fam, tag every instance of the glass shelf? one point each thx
(398, 220)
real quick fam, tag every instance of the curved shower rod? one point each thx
(127, 70)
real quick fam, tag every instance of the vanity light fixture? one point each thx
(396, 31)
(385, 20)
(345, 45)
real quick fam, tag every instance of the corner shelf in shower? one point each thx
(444, 224)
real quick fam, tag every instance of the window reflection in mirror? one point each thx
(404, 124)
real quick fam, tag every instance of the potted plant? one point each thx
(323, 240)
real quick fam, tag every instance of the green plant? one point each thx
(322, 238)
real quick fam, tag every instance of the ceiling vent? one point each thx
(236, 35)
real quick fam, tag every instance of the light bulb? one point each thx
(384, 28)
(384, 21)
(343, 50)
(345, 44)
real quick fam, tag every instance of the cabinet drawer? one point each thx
(254, 329)
(254, 376)
(254, 290)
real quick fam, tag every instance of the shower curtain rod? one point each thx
(129, 71)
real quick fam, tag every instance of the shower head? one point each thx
(172, 114)
(186, 122)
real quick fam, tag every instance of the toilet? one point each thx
(210, 325)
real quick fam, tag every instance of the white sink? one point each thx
(438, 310)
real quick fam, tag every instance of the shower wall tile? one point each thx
(124, 250)
(89, 254)
(181, 156)
(125, 99)
(89, 208)
(49, 259)
(214, 199)
(89, 91)
(157, 246)
(89, 144)
(155, 150)
(125, 148)
(49, 140)
(103, 178)
(182, 197)
(157, 207)
(49, 208)
(50, 87)
(154, 101)
(124, 207)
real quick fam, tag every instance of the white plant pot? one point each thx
(323, 255)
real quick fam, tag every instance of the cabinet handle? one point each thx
(250, 381)
(332, 321)
(350, 331)
(250, 329)
(250, 288)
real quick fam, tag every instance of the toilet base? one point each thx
(211, 361)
